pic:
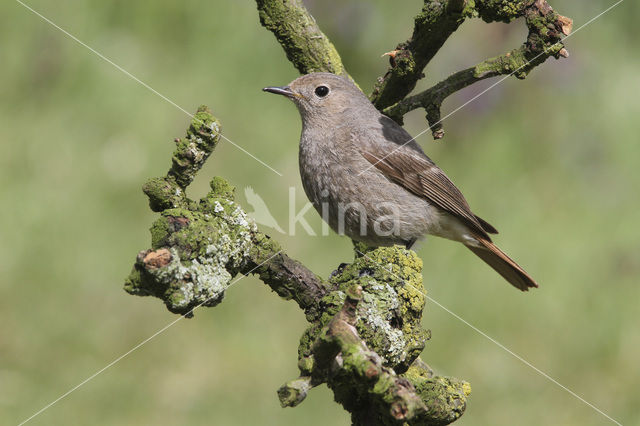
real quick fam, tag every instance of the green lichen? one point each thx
(164, 193)
(447, 396)
(432, 27)
(191, 152)
(367, 341)
(160, 232)
(515, 62)
(221, 188)
(208, 246)
(543, 39)
(500, 10)
(294, 392)
(134, 283)
(306, 47)
(193, 282)
(390, 312)
(194, 149)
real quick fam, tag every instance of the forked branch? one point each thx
(546, 29)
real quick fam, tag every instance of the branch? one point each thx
(289, 278)
(305, 45)
(197, 247)
(515, 62)
(546, 28)
(432, 27)
(365, 332)
(362, 382)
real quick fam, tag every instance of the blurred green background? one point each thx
(551, 161)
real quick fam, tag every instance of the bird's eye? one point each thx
(322, 91)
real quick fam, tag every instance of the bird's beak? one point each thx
(284, 90)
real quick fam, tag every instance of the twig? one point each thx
(432, 27)
(546, 28)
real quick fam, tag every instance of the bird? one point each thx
(369, 179)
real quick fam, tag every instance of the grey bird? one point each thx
(371, 181)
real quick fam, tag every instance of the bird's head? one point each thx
(322, 94)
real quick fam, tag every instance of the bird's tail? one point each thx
(502, 264)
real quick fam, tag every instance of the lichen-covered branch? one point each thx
(546, 28)
(286, 276)
(305, 45)
(198, 247)
(515, 62)
(191, 153)
(432, 27)
(365, 332)
(365, 347)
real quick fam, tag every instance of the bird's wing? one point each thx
(405, 164)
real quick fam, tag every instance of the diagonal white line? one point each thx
(249, 154)
(115, 361)
(133, 77)
(490, 87)
(521, 359)
(88, 379)
(500, 345)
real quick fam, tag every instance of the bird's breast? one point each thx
(355, 198)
